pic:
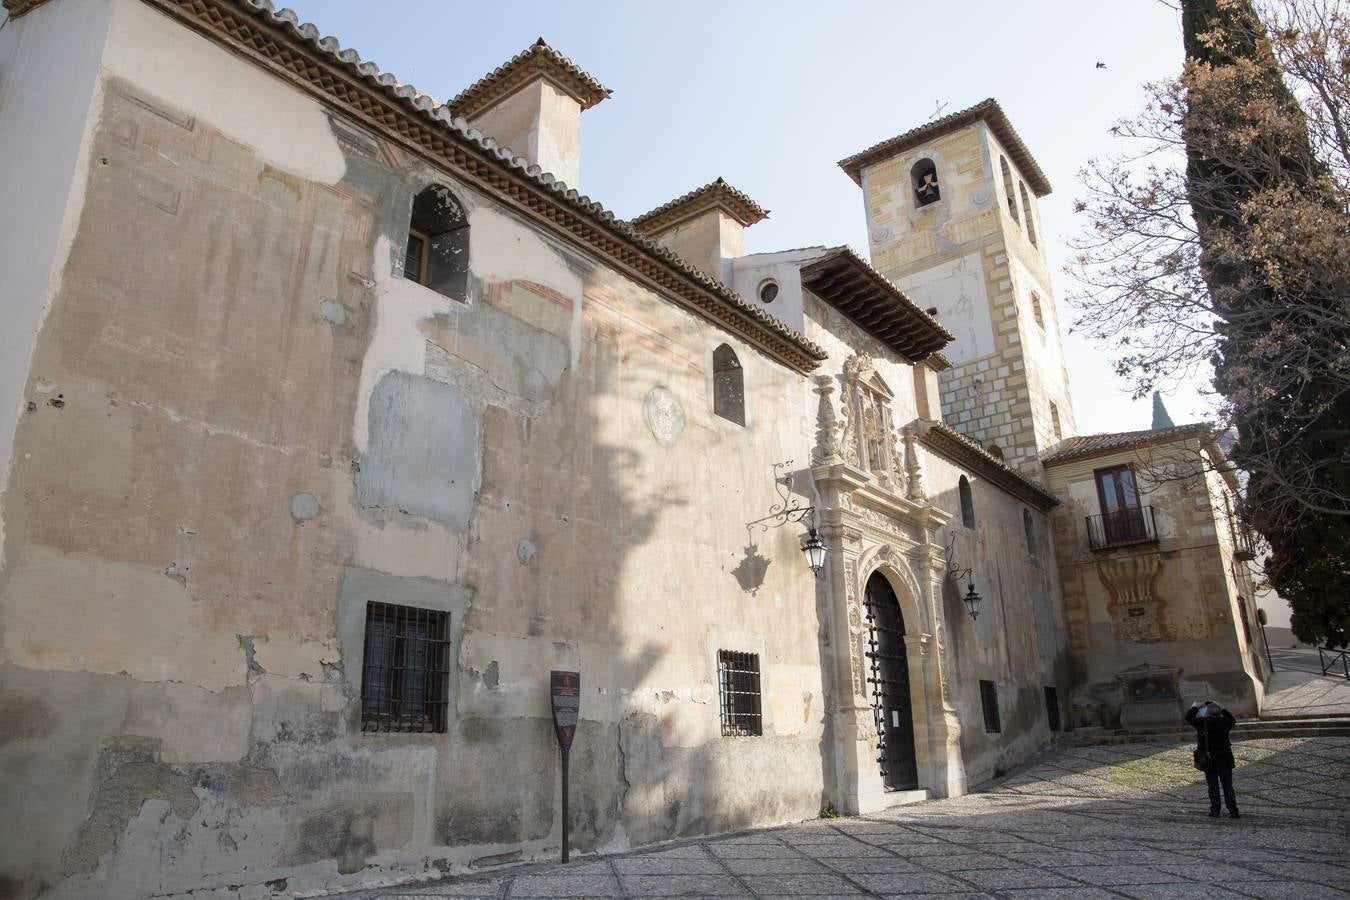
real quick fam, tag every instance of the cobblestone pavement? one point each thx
(1121, 821)
(1299, 693)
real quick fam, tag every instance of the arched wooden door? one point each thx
(890, 686)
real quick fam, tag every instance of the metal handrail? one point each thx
(1133, 525)
(1337, 656)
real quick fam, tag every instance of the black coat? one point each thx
(1216, 730)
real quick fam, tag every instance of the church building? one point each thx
(334, 420)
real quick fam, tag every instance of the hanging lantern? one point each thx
(973, 601)
(814, 548)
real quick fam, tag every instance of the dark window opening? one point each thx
(738, 678)
(996, 451)
(1029, 527)
(768, 291)
(924, 176)
(1008, 188)
(967, 503)
(405, 674)
(1246, 622)
(989, 700)
(1052, 708)
(438, 243)
(728, 385)
(1026, 208)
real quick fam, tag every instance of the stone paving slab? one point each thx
(1080, 822)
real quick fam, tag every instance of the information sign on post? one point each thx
(565, 694)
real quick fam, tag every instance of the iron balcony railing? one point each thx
(1120, 528)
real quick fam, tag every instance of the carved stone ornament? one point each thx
(827, 448)
(899, 475)
(848, 430)
(916, 489)
(855, 631)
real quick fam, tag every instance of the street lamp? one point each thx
(814, 548)
(973, 601)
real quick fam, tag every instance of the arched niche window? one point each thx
(925, 179)
(438, 243)
(728, 385)
(1036, 309)
(1026, 208)
(1029, 526)
(1054, 421)
(967, 503)
(1008, 190)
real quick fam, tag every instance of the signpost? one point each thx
(565, 693)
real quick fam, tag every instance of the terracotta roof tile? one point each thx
(1095, 444)
(986, 110)
(539, 59)
(946, 440)
(715, 193)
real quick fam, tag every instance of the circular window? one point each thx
(768, 291)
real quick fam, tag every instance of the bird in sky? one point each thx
(1101, 65)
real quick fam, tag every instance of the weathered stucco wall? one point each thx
(48, 80)
(262, 428)
(1168, 603)
(1017, 641)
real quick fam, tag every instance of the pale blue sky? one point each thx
(769, 95)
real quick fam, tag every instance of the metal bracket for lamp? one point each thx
(956, 573)
(790, 510)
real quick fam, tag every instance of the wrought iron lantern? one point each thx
(814, 548)
(790, 510)
(973, 600)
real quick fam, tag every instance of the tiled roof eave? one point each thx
(539, 60)
(318, 65)
(948, 442)
(717, 193)
(1107, 444)
(986, 110)
(885, 311)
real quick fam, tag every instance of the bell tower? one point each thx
(952, 221)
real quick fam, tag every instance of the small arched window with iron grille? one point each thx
(728, 385)
(1026, 208)
(1008, 190)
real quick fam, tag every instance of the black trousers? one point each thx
(1225, 777)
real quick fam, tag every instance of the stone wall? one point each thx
(1165, 603)
(244, 426)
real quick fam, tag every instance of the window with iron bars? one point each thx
(738, 676)
(989, 700)
(405, 677)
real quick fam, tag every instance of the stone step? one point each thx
(1248, 729)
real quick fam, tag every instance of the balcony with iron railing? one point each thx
(1122, 528)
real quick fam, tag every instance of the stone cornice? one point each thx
(339, 79)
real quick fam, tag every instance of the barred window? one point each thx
(405, 677)
(989, 700)
(738, 676)
(967, 502)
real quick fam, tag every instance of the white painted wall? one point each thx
(956, 288)
(49, 62)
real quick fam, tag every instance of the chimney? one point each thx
(533, 105)
(706, 227)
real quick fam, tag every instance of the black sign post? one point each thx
(565, 693)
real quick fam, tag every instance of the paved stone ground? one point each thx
(1305, 693)
(1119, 821)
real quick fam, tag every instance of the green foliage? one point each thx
(829, 812)
(999, 771)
